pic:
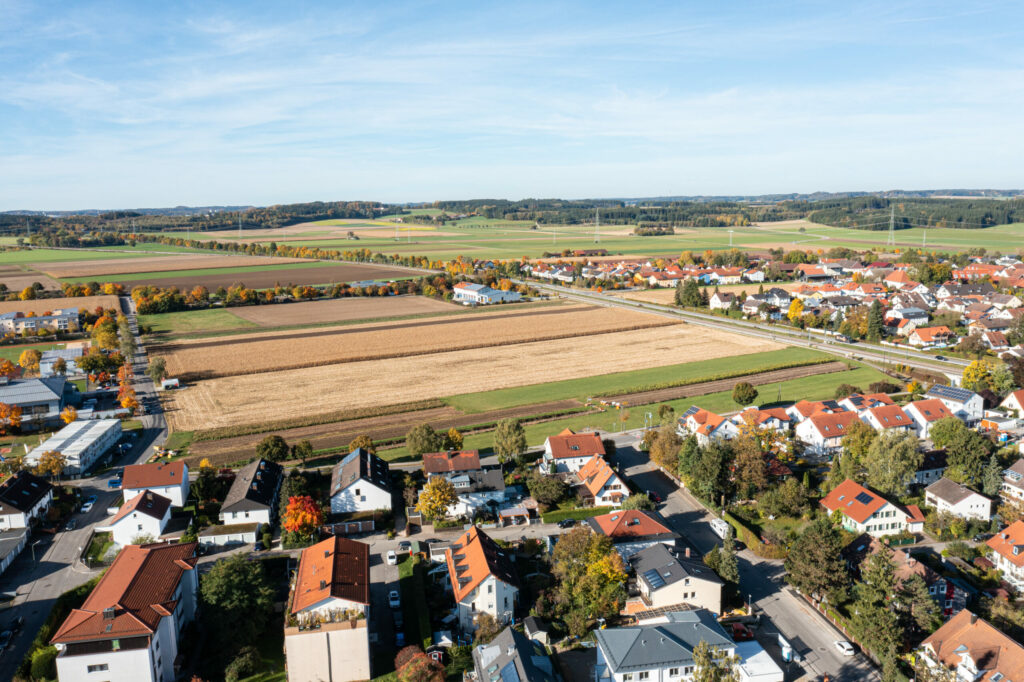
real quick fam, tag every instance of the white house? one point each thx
(633, 530)
(1014, 403)
(144, 516)
(866, 512)
(721, 300)
(568, 451)
(925, 413)
(665, 579)
(823, 432)
(468, 293)
(253, 494)
(888, 417)
(965, 405)
(706, 426)
(130, 626)
(332, 581)
(24, 499)
(969, 649)
(360, 482)
(953, 498)
(1012, 488)
(168, 480)
(602, 484)
(477, 489)
(1008, 553)
(82, 442)
(483, 579)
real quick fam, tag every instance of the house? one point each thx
(1014, 403)
(969, 649)
(925, 413)
(12, 542)
(483, 578)
(780, 298)
(889, 417)
(706, 426)
(252, 497)
(665, 579)
(721, 300)
(801, 410)
(823, 432)
(932, 467)
(450, 462)
(130, 625)
(1008, 553)
(475, 490)
(360, 482)
(468, 293)
(568, 451)
(326, 636)
(167, 479)
(1012, 489)
(658, 651)
(866, 512)
(40, 400)
(965, 405)
(959, 500)
(995, 341)
(70, 357)
(513, 657)
(603, 486)
(633, 530)
(861, 403)
(139, 520)
(82, 442)
(930, 337)
(774, 418)
(24, 500)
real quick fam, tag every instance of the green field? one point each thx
(209, 320)
(12, 353)
(625, 382)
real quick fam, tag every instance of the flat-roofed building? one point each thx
(82, 442)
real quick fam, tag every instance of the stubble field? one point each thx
(41, 305)
(341, 310)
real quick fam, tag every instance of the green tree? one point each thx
(709, 478)
(744, 393)
(944, 430)
(814, 564)
(638, 501)
(874, 619)
(728, 567)
(273, 448)
(509, 440)
(876, 321)
(916, 608)
(422, 439)
(590, 578)
(156, 370)
(992, 477)
(689, 295)
(966, 454)
(892, 462)
(666, 413)
(302, 450)
(665, 447)
(547, 490)
(713, 665)
(237, 599)
(1001, 380)
(687, 455)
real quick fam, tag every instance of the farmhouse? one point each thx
(969, 648)
(483, 578)
(603, 486)
(82, 442)
(253, 494)
(569, 451)
(866, 512)
(823, 432)
(141, 519)
(169, 480)
(468, 293)
(953, 498)
(665, 579)
(24, 499)
(633, 530)
(130, 624)
(925, 413)
(965, 405)
(360, 482)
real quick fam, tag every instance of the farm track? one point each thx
(692, 390)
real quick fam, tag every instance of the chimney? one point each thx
(974, 617)
(686, 552)
(323, 584)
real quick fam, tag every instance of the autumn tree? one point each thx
(11, 464)
(8, 369)
(487, 628)
(10, 418)
(509, 440)
(51, 462)
(364, 442)
(437, 496)
(751, 467)
(302, 450)
(417, 667)
(29, 360)
(27, 294)
(60, 367)
(452, 439)
(273, 448)
(977, 376)
(796, 310)
(422, 439)
(156, 370)
(303, 517)
(744, 393)
(590, 577)
(665, 447)
(68, 414)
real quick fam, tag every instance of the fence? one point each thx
(347, 527)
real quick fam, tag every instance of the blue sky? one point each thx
(111, 104)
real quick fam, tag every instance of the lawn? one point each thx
(625, 382)
(414, 601)
(190, 321)
(12, 353)
(99, 546)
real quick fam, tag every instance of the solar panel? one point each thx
(865, 498)
(654, 579)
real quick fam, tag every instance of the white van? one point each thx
(721, 528)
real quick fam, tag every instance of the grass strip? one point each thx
(414, 602)
(574, 514)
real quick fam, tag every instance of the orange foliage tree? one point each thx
(303, 516)
(10, 418)
(68, 414)
(8, 369)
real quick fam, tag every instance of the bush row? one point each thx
(575, 514)
(751, 539)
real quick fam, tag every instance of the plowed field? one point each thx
(41, 305)
(325, 274)
(341, 309)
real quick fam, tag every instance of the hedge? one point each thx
(414, 602)
(72, 599)
(575, 514)
(751, 539)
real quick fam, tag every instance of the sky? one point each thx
(141, 104)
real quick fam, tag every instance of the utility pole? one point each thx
(239, 224)
(597, 225)
(730, 238)
(892, 227)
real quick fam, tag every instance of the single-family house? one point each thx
(475, 490)
(632, 530)
(775, 418)
(925, 413)
(603, 486)
(823, 432)
(140, 520)
(252, 497)
(965, 405)
(450, 462)
(706, 426)
(721, 300)
(995, 341)
(859, 403)
(512, 657)
(864, 511)
(665, 579)
(888, 417)
(969, 649)
(130, 625)
(168, 479)
(1014, 403)
(932, 467)
(1008, 553)
(1012, 488)
(360, 482)
(24, 500)
(483, 578)
(954, 498)
(930, 337)
(801, 410)
(568, 451)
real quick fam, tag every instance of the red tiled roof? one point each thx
(146, 502)
(154, 475)
(474, 557)
(1006, 540)
(993, 652)
(571, 444)
(931, 333)
(139, 587)
(337, 567)
(832, 425)
(891, 416)
(854, 500)
(931, 410)
(594, 474)
(451, 461)
(914, 514)
(629, 523)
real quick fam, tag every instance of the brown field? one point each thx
(16, 278)
(214, 357)
(341, 310)
(317, 390)
(667, 295)
(325, 274)
(41, 305)
(184, 261)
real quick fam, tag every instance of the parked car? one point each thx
(391, 558)
(845, 648)
(5, 639)
(397, 618)
(114, 483)
(741, 633)
(394, 600)
(567, 523)
(405, 546)
(654, 496)
(71, 525)
(86, 508)
(18, 623)
(399, 639)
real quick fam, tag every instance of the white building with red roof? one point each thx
(969, 649)
(632, 530)
(169, 479)
(569, 451)
(143, 516)
(888, 417)
(823, 432)
(1008, 553)
(483, 578)
(925, 413)
(864, 511)
(706, 426)
(928, 337)
(603, 485)
(1014, 402)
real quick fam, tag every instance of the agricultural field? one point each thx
(253, 353)
(342, 310)
(239, 399)
(16, 278)
(31, 256)
(41, 305)
(92, 269)
(210, 320)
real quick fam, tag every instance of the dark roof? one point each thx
(146, 502)
(659, 567)
(32, 391)
(933, 459)
(643, 647)
(255, 487)
(511, 657)
(532, 624)
(360, 464)
(960, 395)
(950, 491)
(477, 481)
(21, 492)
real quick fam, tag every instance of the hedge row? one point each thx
(751, 539)
(62, 607)
(575, 514)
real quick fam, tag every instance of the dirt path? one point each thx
(661, 395)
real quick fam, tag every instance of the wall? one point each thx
(124, 666)
(370, 497)
(336, 652)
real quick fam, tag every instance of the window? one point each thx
(644, 675)
(673, 672)
(627, 677)
(98, 668)
(357, 492)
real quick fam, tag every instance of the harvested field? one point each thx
(323, 274)
(16, 278)
(341, 310)
(391, 427)
(316, 390)
(760, 379)
(41, 305)
(214, 357)
(122, 266)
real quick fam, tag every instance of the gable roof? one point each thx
(146, 502)
(132, 596)
(568, 443)
(832, 424)
(337, 567)
(950, 491)
(643, 647)
(594, 474)
(511, 657)
(254, 487)
(631, 524)
(1009, 543)
(928, 334)
(957, 395)
(473, 558)
(931, 409)
(451, 461)
(891, 416)
(853, 500)
(30, 391)
(21, 492)
(658, 567)
(992, 652)
(154, 475)
(360, 465)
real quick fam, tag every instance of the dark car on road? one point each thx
(567, 523)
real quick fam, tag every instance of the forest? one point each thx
(872, 212)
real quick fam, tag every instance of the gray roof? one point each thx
(255, 487)
(659, 567)
(478, 481)
(643, 647)
(960, 395)
(21, 492)
(511, 657)
(31, 391)
(11, 542)
(950, 491)
(360, 464)
(66, 353)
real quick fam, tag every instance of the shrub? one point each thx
(844, 390)
(246, 663)
(44, 663)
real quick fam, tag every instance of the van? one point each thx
(720, 527)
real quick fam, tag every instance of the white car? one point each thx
(845, 648)
(391, 558)
(87, 507)
(394, 601)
